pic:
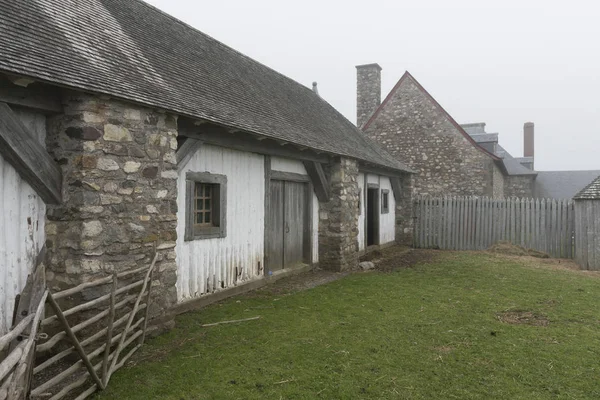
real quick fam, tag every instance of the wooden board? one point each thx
(294, 222)
(275, 228)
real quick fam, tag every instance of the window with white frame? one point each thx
(206, 206)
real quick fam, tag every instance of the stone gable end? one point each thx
(413, 128)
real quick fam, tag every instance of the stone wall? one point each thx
(338, 218)
(415, 130)
(498, 182)
(519, 186)
(119, 190)
(405, 212)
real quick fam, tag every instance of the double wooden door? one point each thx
(287, 227)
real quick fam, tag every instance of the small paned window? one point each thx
(206, 204)
(204, 195)
(385, 201)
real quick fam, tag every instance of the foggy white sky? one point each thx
(502, 62)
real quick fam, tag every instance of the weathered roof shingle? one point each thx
(131, 50)
(590, 192)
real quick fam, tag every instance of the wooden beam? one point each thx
(41, 98)
(187, 150)
(373, 169)
(319, 180)
(396, 187)
(220, 136)
(21, 149)
(289, 176)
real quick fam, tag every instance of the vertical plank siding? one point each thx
(476, 223)
(22, 236)
(587, 234)
(361, 213)
(387, 221)
(208, 265)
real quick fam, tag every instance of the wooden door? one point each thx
(275, 228)
(372, 215)
(294, 220)
(287, 224)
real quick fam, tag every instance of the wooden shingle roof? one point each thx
(130, 50)
(590, 192)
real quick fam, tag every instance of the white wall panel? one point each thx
(208, 265)
(387, 228)
(361, 217)
(373, 179)
(315, 228)
(22, 236)
(287, 165)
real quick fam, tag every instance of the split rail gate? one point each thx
(476, 223)
(83, 341)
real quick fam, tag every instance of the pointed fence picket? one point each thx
(476, 223)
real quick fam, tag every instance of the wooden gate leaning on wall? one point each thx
(476, 223)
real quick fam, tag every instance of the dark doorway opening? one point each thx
(372, 217)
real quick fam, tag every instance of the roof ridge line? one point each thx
(435, 102)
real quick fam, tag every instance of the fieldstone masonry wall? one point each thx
(119, 190)
(338, 218)
(499, 182)
(415, 130)
(519, 186)
(404, 212)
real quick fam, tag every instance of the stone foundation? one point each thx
(119, 190)
(338, 218)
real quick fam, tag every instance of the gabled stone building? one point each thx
(415, 128)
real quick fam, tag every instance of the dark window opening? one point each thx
(385, 201)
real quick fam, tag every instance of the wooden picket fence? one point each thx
(476, 223)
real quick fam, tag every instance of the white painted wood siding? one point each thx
(208, 265)
(373, 179)
(288, 165)
(361, 216)
(387, 228)
(22, 236)
(315, 229)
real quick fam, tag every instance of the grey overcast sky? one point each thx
(500, 62)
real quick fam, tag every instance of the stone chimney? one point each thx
(368, 92)
(528, 140)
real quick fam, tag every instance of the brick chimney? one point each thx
(528, 139)
(368, 92)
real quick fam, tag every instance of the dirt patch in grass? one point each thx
(515, 250)
(303, 281)
(561, 264)
(523, 318)
(398, 257)
(386, 260)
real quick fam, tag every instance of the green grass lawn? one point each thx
(428, 332)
